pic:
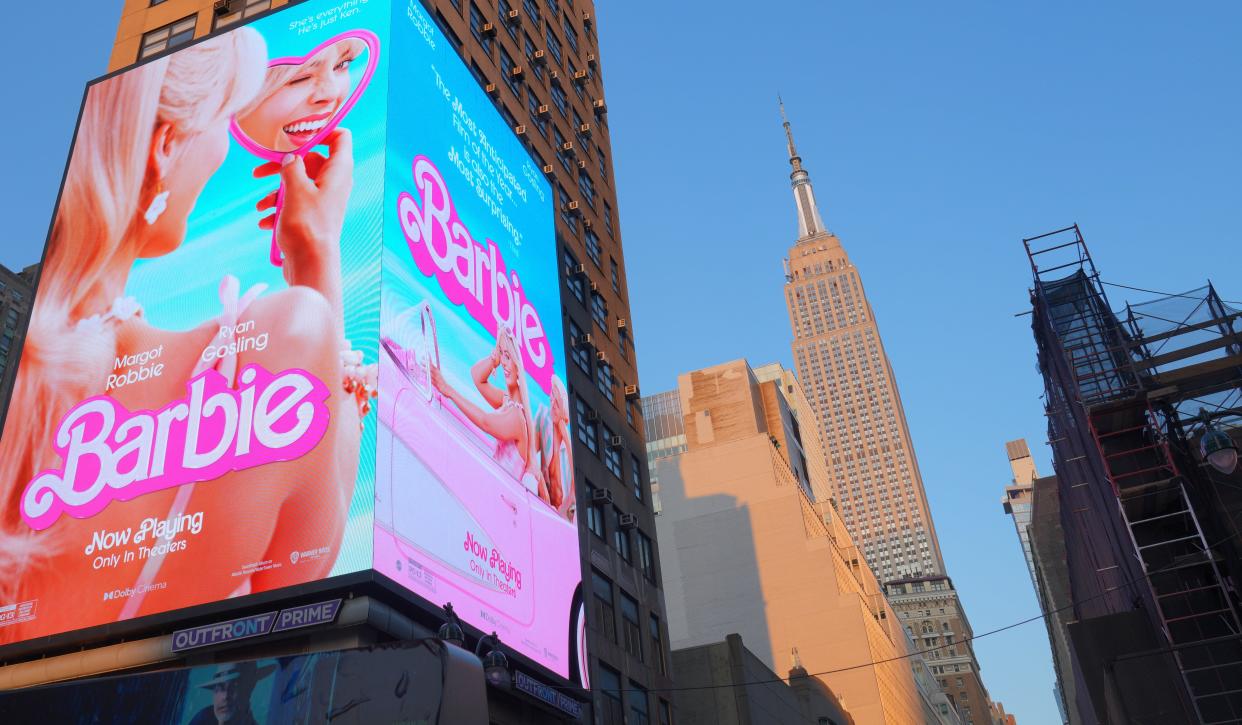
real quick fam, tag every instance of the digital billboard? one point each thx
(298, 317)
(474, 499)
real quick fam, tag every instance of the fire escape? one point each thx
(1141, 379)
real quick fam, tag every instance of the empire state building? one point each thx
(839, 356)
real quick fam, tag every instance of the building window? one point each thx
(623, 344)
(605, 613)
(506, 72)
(561, 154)
(169, 36)
(636, 701)
(594, 251)
(579, 350)
(530, 56)
(603, 380)
(554, 45)
(608, 684)
(585, 423)
(636, 477)
(612, 453)
(532, 105)
(573, 278)
(558, 97)
(510, 28)
(632, 632)
(666, 712)
(570, 34)
(248, 9)
(657, 643)
(532, 9)
(599, 310)
(595, 514)
(476, 29)
(614, 273)
(567, 214)
(608, 220)
(620, 536)
(646, 557)
(587, 187)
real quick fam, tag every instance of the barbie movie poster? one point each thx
(194, 417)
(474, 495)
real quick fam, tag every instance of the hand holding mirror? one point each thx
(303, 99)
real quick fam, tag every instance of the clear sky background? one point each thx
(937, 136)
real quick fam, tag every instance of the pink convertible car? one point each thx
(455, 524)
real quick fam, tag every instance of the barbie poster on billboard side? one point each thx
(193, 418)
(474, 499)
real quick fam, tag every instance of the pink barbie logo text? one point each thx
(471, 274)
(110, 453)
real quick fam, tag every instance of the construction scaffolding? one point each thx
(1149, 526)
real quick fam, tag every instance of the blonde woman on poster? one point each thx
(152, 526)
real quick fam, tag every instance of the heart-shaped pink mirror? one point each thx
(304, 98)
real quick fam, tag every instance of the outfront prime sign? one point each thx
(299, 316)
(306, 615)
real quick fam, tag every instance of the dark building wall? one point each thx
(1048, 552)
(715, 671)
(16, 292)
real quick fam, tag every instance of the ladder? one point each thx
(1198, 611)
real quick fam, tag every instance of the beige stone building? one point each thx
(747, 549)
(873, 473)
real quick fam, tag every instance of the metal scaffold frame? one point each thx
(1133, 383)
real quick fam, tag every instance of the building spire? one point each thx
(794, 159)
(809, 222)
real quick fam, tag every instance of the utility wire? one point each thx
(971, 638)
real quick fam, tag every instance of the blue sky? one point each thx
(937, 135)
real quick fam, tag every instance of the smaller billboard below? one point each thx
(414, 682)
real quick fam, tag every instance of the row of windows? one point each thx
(565, 150)
(626, 537)
(641, 640)
(616, 704)
(181, 31)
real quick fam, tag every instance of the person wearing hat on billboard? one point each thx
(231, 687)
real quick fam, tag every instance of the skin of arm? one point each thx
(501, 424)
(481, 372)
